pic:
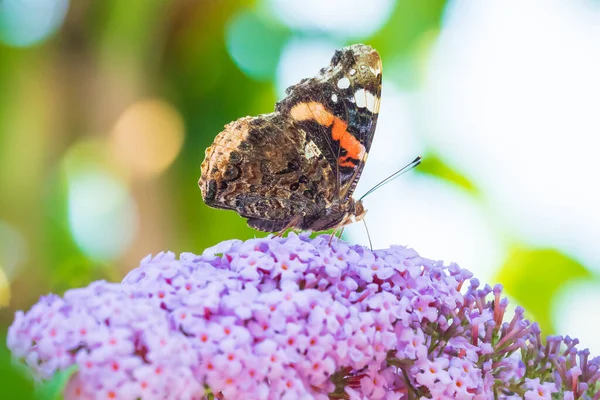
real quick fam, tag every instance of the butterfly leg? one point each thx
(335, 230)
(291, 224)
(332, 235)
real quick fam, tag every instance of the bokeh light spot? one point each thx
(574, 312)
(255, 44)
(341, 18)
(27, 22)
(102, 214)
(148, 137)
(13, 250)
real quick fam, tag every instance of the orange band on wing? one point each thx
(316, 112)
(354, 149)
(312, 111)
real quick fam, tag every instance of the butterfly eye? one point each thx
(294, 186)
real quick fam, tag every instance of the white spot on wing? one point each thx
(334, 98)
(344, 83)
(311, 150)
(371, 102)
(361, 99)
(364, 98)
(375, 71)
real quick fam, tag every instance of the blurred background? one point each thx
(107, 108)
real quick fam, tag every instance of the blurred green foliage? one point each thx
(435, 166)
(15, 383)
(534, 276)
(53, 388)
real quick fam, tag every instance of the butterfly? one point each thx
(297, 167)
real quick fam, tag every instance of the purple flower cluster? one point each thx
(297, 318)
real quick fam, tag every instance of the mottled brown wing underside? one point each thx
(258, 167)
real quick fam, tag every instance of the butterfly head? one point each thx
(355, 212)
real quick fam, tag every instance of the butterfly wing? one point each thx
(296, 167)
(338, 110)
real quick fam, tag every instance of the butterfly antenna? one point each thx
(368, 234)
(393, 176)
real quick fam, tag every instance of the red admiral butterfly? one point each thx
(298, 166)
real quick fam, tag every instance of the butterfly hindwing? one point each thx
(258, 168)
